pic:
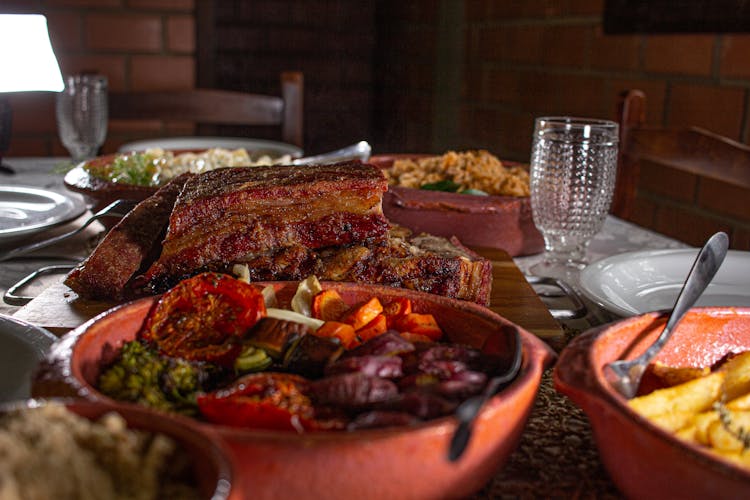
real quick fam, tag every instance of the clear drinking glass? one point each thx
(82, 115)
(573, 170)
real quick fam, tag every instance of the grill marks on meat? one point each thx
(130, 246)
(227, 214)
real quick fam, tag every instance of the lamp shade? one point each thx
(27, 61)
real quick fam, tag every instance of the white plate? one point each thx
(22, 346)
(638, 282)
(25, 210)
(251, 145)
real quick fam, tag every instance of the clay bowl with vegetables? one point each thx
(682, 435)
(330, 390)
(119, 450)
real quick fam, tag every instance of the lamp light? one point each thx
(28, 64)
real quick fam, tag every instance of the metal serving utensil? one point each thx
(118, 208)
(626, 375)
(358, 151)
(467, 412)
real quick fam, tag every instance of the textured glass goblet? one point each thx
(82, 115)
(573, 170)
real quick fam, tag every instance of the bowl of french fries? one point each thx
(686, 434)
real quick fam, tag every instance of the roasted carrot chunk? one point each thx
(342, 331)
(395, 309)
(420, 324)
(328, 306)
(377, 326)
(360, 315)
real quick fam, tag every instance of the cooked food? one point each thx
(284, 223)
(156, 166)
(471, 172)
(127, 248)
(49, 452)
(711, 409)
(227, 214)
(372, 364)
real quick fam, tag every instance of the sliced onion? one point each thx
(287, 315)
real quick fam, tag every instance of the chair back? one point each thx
(219, 107)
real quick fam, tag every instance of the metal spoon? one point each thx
(625, 375)
(360, 150)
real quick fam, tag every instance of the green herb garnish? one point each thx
(138, 169)
(444, 185)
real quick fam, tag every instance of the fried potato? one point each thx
(669, 376)
(692, 397)
(737, 380)
(727, 437)
(739, 457)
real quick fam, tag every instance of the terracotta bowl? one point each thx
(642, 459)
(502, 222)
(213, 469)
(403, 462)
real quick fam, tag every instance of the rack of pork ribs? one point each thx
(285, 223)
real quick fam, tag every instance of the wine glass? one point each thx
(573, 170)
(82, 115)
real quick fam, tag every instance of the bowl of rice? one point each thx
(472, 195)
(85, 449)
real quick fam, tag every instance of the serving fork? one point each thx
(118, 208)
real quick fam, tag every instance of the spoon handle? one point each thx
(703, 271)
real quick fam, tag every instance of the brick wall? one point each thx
(419, 76)
(137, 44)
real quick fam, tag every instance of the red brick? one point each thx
(655, 91)
(734, 56)
(686, 54)
(580, 96)
(499, 85)
(567, 45)
(718, 109)
(113, 67)
(181, 5)
(65, 30)
(33, 112)
(523, 43)
(181, 33)
(162, 73)
(615, 52)
(667, 182)
(725, 198)
(525, 9)
(586, 7)
(124, 32)
(686, 225)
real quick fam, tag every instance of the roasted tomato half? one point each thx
(268, 400)
(204, 317)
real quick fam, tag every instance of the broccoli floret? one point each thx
(142, 376)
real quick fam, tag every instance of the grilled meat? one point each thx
(227, 214)
(129, 247)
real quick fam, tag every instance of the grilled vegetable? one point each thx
(267, 400)
(141, 375)
(204, 318)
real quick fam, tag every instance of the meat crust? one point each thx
(226, 214)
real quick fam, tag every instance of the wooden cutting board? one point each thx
(59, 309)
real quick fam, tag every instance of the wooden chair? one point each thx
(219, 107)
(692, 149)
